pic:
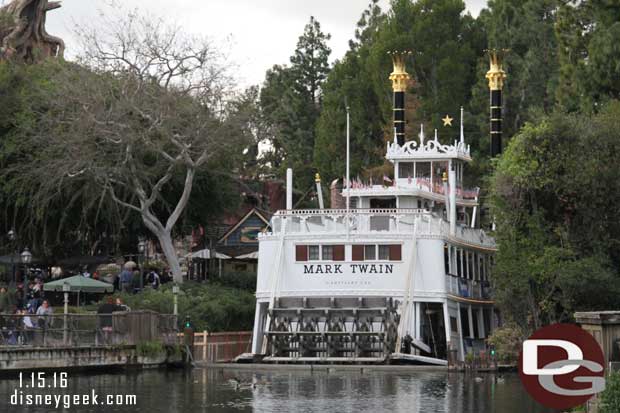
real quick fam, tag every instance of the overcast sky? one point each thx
(261, 32)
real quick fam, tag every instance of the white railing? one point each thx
(462, 287)
(373, 221)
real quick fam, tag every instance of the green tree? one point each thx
(557, 205)
(350, 83)
(589, 53)
(291, 102)
(526, 29)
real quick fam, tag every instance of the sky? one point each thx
(255, 33)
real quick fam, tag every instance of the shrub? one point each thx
(211, 307)
(610, 398)
(149, 349)
(507, 341)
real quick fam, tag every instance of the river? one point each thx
(325, 391)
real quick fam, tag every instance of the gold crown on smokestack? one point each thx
(496, 73)
(399, 76)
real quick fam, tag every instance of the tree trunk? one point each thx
(165, 240)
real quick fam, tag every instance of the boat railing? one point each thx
(372, 221)
(466, 288)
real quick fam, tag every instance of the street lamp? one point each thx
(141, 249)
(26, 257)
(66, 288)
(175, 293)
(11, 235)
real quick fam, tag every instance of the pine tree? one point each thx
(588, 33)
(291, 103)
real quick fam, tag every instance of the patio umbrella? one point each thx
(79, 284)
(250, 256)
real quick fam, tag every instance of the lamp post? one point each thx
(175, 293)
(66, 288)
(11, 235)
(141, 249)
(26, 257)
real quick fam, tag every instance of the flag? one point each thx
(409, 180)
(387, 179)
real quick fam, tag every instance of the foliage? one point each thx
(131, 128)
(211, 307)
(610, 398)
(445, 43)
(589, 52)
(556, 200)
(150, 349)
(290, 101)
(241, 280)
(507, 341)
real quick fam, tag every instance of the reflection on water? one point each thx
(325, 391)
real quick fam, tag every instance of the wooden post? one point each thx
(204, 346)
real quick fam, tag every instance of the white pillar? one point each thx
(289, 189)
(460, 327)
(446, 321)
(452, 183)
(418, 319)
(257, 337)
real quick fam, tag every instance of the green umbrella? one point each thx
(80, 284)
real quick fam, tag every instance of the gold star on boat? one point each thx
(447, 121)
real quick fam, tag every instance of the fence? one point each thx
(73, 330)
(220, 347)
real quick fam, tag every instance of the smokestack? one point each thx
(399, 78)
(289, 189)
(319, 191)
(496, 76)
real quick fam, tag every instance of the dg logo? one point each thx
(562, 366)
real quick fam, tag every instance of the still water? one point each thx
(325, 391)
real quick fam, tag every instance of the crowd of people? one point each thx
(23, 312)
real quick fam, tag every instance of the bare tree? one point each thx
(143, 106)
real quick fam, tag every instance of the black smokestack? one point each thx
(399, 78)
(496, 76)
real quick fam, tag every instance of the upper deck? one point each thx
(372, 223)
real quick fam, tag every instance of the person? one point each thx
(135, 281)
(20, 296)
(44, 312)
(85, 273)
(154, 280)
(119, 303)
(125, 278)
(104, 317)
(5, 302)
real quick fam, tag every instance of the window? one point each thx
(446, 258)
(384, 252)
(319, 252)
(301, 252)
(423, 170)
(375, 252)
(405, 169)
(370, 252)
(327, 252)
(313, 253)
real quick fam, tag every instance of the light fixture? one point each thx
(26, 256)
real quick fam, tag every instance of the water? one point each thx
(326, 391)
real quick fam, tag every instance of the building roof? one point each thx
(234, 227)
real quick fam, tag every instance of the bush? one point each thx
(507, 341)
(241, 280)
(211, 307)
(150, 349)
(610, 398)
